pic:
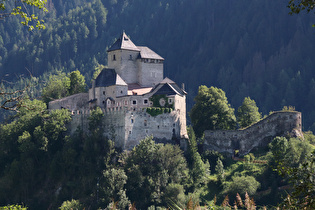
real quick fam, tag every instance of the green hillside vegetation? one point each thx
(43, 166)
(246, 48)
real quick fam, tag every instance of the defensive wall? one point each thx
(257, 135)
(126, 126)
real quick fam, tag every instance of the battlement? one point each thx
(259, 134)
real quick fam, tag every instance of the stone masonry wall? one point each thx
(259, 134)
(127, 126)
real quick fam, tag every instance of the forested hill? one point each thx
(247, 48)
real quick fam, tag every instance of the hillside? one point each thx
(247, 48)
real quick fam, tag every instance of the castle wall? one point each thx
(127, 126)
(125, 64)
(150, 72)
(259, 134)
(139, 124)
(73, 102)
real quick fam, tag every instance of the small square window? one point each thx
(134, 102)
(145, 101)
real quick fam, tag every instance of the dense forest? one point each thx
(247, 48)
(253, 52)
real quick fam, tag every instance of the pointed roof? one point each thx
(167, 87)
(123, 43)
(108, 77)
(146, 52)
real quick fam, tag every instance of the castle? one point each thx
(135, 99)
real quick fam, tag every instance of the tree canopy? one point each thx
(248, 113)
(211, 111)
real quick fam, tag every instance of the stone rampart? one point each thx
(259, 134)
(127, 125)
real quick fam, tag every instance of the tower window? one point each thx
(131, 120)
(103, 92)
(130, 57)
(114, 57)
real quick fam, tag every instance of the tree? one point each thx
(113, 188)
(56, 87)
(198, 169)
(77, 82)
(150, 169)
(241, 185)
(248, 113)
(211, 111)
(219, 168)
(298, 5)
(71, 205)
(21, 9)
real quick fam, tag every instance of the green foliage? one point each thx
(156, 101)
(150, 169)
(241, 185)
(56, 87)
(211, 111)
(155, 111)
(295, 161)
(248, 113)
(23, 12)
(77, 82)
(61, 85)
(112, 188)
(219, 168)
(298, 5)
(95, 119)
(71, 205)
(13, 207)
(199, 170)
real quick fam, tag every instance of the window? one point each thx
(145, 123)
(121, 91)
(129, 132)
(158, 127)
(131, 120)
(134, 102)
(170, 100)
(130, 57)
(103, 102)
(114, 57)
(145, 101)
(103, 92)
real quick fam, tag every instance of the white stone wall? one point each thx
(125, 64)
(150, 72)
(180, 107)
(139, 124)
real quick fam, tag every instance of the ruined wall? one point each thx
(259, 134)
(73, 102)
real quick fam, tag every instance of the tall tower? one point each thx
(122, 56)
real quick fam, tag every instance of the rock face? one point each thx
(257, 135)
(132, 84)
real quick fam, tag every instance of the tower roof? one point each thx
(108, 77)
(123, 43)
(146, 52)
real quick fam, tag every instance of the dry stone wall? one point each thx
(257, 135)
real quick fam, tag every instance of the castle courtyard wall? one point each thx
(259, 134)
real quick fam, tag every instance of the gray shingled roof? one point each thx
(168, 87)
(108, 77)
(123, 43)
(146, 52)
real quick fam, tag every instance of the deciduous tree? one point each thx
(211, 111)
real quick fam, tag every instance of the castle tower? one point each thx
(135, 64)
(122, 56)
